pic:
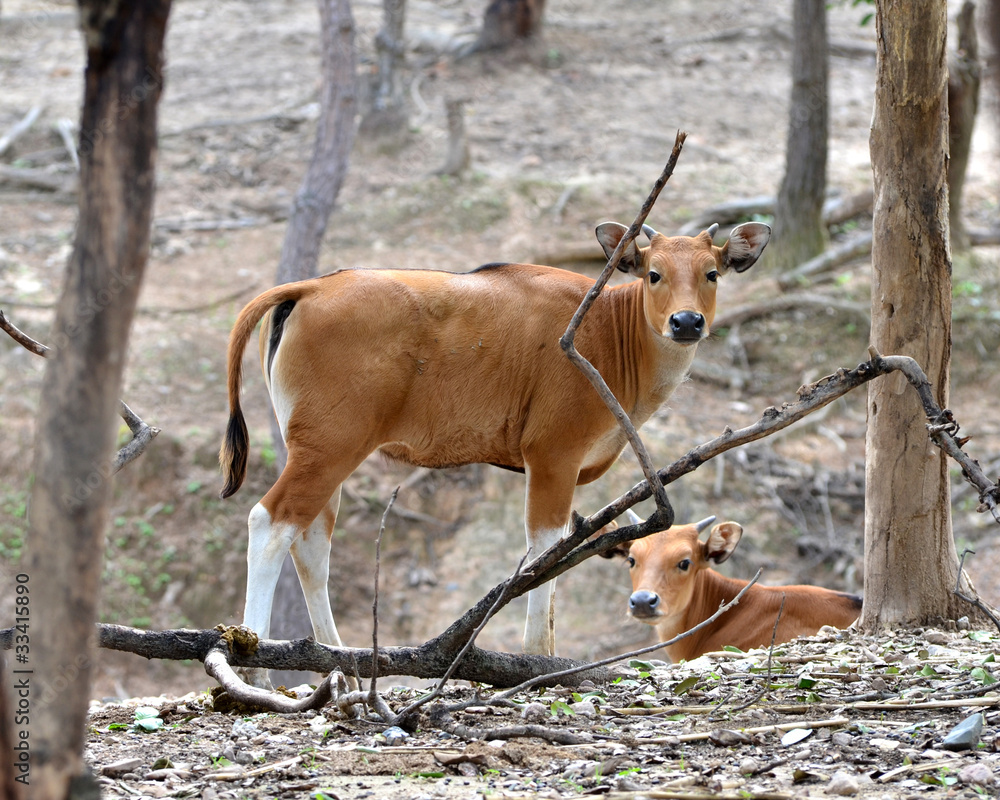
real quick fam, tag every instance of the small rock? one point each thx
(394, 735)
(728, 738)
(534, 712)
(965, 735)
(244, 729)
(748, 766)
(936, 637)
(585, 708)
(978, 775)
(884, 744)
(878, 684)
(119, 768)
(841, 739)
(843, 784)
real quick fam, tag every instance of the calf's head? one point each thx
(680, 273)
(664, 567)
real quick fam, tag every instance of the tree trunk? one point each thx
(77, 420)
(910, 559)
(300, 252)
(963, 103)
(799, 233)
(386, 114)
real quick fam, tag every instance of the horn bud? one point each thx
(633, 518)
(712, 230)
(648, 230)
(700, 526)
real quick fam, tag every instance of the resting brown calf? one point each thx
(674, 589)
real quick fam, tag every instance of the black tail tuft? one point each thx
(234, 452)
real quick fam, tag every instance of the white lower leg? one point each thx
(311, 555)
(266, 550)
(539, 627)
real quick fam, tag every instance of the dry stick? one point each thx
(973, 600)
(632, 654)
(217, 665)
(372, 693)
(770, 656)
(567, 340)
(142, 434)
(439, 689)
(21, 127)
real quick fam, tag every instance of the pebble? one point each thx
(585, 708)
(965, 735)
(841, 739)
(120, 768)
(843, 784)
(978, 775)
(394, 735)
(534, 712)
(748, 766)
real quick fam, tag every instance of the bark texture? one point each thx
(910, 560)
(77, 419)
(799, 232)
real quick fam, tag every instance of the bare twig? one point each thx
(770, 656)
(975, 601)
(65, 128)
(439, 689)
(372, 693)
(63, 183)
(142, 434)
(567, 341)
(789, 302)
(21, 127)
(858, 247)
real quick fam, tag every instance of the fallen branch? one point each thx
(19, 128)
(825, 262)
(836, 211)
(790, 302)
(142, 434)
(39, 179)
(975, 601)
(180, 225)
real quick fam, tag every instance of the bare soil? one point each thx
(563, 134)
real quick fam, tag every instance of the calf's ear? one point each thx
(609, 234)
(620, 550)
(722, 541)
(745, 245)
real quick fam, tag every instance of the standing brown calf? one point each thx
(439, 369)
(674, 589)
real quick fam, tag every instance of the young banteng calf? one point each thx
(439, 369)
(674, 589)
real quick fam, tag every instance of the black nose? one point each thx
(643, 604)
(687, 326)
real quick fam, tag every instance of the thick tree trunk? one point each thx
(910, 559)
(799, 233)
(963, 103)
(78, 416)
(300, 252)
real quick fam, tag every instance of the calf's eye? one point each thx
(631, 562)
(684, 565)
(654, 277)
(713, 276)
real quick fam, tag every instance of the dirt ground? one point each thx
(562, 136)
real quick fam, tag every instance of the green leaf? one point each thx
(686, 685)
(806, 681)
(559, 705)
(984, 677)
(146, 712)
(643, 666)
(731, 649)
(151, 724)
(980, 636)
(927, 671)
(117, 726)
